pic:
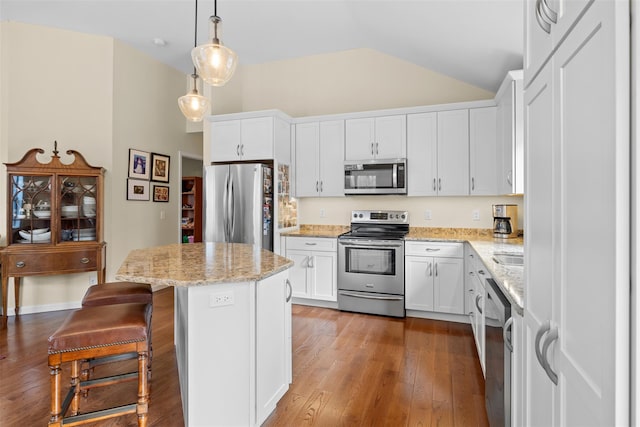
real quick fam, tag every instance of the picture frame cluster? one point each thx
(143, 168)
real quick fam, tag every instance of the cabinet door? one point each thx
(271, 344)
(453, 153)
(538, 42)
(448, 285)
(324, 275)
(225, 141)
(479, 319)
(482, 151)
(422, 154)
(298, 273)
(539, 252)
(257, 138)
(331, 155)
(590, 70)
(359, 142)
(391, 137)
(419, 283)
(307, 140)
(505, 115)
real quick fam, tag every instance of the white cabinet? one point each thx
(376, 138)
(319, 159)
(510, 138)
(314, 274)
(546, 25)
(253, 138)
(438, 153)
(482, 151)
(476, 277)
(434, 277)
(576, 311)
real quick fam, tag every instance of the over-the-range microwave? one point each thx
(388, 176)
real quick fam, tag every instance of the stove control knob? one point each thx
(403, 216)
(360, 216)
(355, 215)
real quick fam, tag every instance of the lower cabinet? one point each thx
(314, 274)
(475, 284)
(434, 277)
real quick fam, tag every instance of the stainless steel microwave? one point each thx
(387, 176)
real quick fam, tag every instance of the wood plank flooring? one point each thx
(349, 369)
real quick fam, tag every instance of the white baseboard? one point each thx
(447, 317)
(315, 302)
(32, 309)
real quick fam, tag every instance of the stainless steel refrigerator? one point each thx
(239, 204)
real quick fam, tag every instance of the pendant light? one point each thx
(193, 105)
(214, 61)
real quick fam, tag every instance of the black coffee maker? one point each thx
(505, 221)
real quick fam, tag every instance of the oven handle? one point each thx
(391, 243)
(357, 295)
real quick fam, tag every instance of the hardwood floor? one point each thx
(349, 369)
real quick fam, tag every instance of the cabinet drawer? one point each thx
(311, 243)
(51, 263)
(437, 249)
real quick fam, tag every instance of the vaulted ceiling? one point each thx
(475, 41)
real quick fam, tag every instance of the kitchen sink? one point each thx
(508, 258)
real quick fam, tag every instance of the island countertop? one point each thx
(198, 264)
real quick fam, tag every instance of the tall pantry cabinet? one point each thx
(576, 308)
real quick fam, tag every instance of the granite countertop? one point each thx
(313, 230)
(197, 264)
(510, 278)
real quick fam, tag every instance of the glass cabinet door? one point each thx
(30, 209)
(77, 208)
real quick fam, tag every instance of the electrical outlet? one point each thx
(220, 299)
(93, 279)
(475, 215)
(427, 214)
(322, 213)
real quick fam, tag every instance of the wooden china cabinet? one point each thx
(54, 220)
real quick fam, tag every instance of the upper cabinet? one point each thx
(546, 25)
(382, 137)
(422, 154)
(453, 153)
(319, 148)
(510, 140)
(482, 151)
(252, 138)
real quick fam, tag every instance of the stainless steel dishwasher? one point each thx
(498, 353)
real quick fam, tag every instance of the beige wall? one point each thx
(98, 97)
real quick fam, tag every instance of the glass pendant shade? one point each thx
(215, 62)
(193, 105)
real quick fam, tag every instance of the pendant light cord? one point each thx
(195, 41)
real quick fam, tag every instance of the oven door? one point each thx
(371, 265)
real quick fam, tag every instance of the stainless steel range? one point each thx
(371, 263)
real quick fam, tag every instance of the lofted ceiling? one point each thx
(475, 41)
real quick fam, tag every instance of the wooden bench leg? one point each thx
(56, 417)
(142, 407)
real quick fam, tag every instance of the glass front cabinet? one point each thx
(54, 219)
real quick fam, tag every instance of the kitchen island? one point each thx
(232, 326)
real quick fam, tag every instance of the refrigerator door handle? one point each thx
(225, 208)
(232, 222)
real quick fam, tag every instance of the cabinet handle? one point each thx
(20, 264)
(436, 268)
(317, 186)
(473, 184)
(510, 177)
(310, 244)
(553, 335)
(290, 290)
(238, 149)
(429, 272)
(478, 303)
(84, 260)
(439, 184)
(546, 27)
(432, 249)
(311, 262)
(481, 272)
(471, 273)
(549, 13)
(507, 325)
(321, 186)
(541, 331)
(372, 148)
(434, 184)
(242, 149)
(376, 148)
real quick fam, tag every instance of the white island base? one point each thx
(233, 347)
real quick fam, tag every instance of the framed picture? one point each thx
(139, 164)
(160, 193)
(137, 189)
(160, 167)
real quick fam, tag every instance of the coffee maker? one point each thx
(505, 221)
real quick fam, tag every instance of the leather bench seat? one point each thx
(118, 293)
